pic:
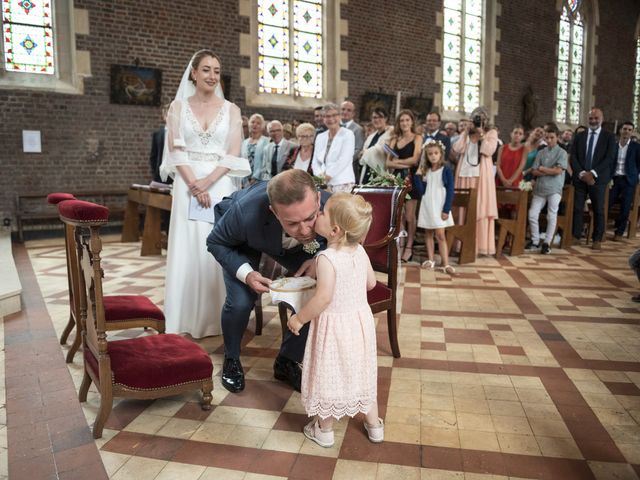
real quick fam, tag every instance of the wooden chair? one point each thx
(466, 198)
(146, 367)
(121, 311)
(634, 214)
(515, 227)
(380, 244)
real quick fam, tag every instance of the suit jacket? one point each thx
(445, 140)
(155, 158)
(358, 133)
(245, 228)
(264, 173)
(631, 162)
(604, 156)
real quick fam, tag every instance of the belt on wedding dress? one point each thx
(204, 157)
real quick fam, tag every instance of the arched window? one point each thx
(462, 54)
(636, 86)
(290, 47)
(571, 53)
(28, 36)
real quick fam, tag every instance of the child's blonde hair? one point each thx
(352, 214)
(425, 165)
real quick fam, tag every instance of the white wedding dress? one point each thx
(194, 286)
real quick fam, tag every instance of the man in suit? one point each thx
(157, 148)
(625, 177)
(276, 152)
(592, 159)
(276, 218)
(432, 132)
(347, 113)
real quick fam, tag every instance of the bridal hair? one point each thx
(352, 214)
(289, 187)
(197, 58)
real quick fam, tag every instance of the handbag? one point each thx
(418, 185)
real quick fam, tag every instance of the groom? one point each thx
(275, 218)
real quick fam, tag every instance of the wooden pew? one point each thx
(634, 214)
(155, 200)
(466, 198)
(565, 221)
(517, 226)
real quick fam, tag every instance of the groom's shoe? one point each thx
(232, 375)
(288, 371)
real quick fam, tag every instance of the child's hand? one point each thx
(294, 324)
(444, 216)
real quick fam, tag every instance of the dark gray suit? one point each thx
(246, 228)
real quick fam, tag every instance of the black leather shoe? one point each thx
(288, 371)
(232, 375)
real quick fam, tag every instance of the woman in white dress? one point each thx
(202, 153)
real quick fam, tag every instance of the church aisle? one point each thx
(524, 367)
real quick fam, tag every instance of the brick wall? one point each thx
(89, 143)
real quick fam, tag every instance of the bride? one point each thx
(202, 153)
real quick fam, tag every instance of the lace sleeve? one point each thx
(238, 166)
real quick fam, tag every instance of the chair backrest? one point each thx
(86, 218)
(387, 203)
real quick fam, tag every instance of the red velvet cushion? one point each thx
(156, 361)
(128, 307)
(379, 293)
(56, 198)
(81, 211)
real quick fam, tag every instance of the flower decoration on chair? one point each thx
(381, 178)
(525, 186)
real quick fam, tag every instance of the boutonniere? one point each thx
(311, 247)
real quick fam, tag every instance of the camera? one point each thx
(477, 121)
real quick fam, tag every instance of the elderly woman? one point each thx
(300, 157)
(253, 146)
(333, 153)
(373, 154)
(474, 169)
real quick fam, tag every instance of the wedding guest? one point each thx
(373, 154)
(511, 160)
(625, 177)
(333, 153)
(347, 114)
(300, 157)
(403, 154)
(273, 218)
(204, 136)
(287, 131)
(245, 126)
(474, 169)
(253, 147)
(451, 128)
(275, 153)
(531, 146)
(340, 364)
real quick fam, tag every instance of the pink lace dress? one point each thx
(339, 374)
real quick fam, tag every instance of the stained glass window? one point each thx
(462, 48)
(28, 36)
(636, 87)
(570, 64)
(290, 47)
(574, 5)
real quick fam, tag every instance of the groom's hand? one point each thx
(257, 282)
(307, 268)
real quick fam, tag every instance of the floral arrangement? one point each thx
(381, 178)
(320, 181)
(525, 186)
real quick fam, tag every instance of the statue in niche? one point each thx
(529, 108)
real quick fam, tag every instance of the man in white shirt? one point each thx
(625, 177)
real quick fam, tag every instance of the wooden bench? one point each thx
(33, 209)
(466, 198)
(634, 214)
(155, 200)
(516, 226)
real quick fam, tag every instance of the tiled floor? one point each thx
(525, 367)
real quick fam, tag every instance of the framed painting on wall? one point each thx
(370, 100)
(132, 85)
(421, 106)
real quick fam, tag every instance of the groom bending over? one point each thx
(275, 218)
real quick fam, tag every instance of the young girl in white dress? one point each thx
(435, 209)
(340, 361)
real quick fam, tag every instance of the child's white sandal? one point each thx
(429, 264)
(375, 432)
(449, 270)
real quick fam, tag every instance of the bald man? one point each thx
(347, 112)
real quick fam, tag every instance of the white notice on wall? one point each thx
(31, 142)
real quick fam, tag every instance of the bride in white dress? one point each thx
(202, 153)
